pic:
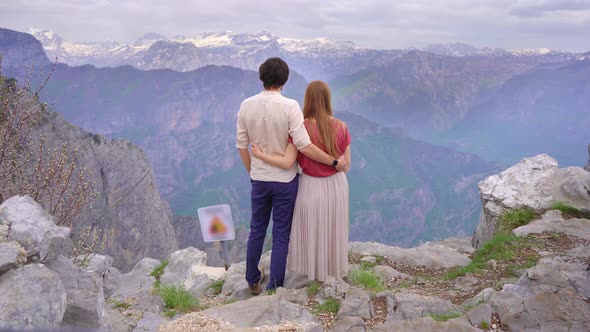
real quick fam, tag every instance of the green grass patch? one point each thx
(445, 317)
(570, 211)
(367, 265)
(158, 271)
(511, 219)
(484, 325)
(379, 259)
(177, 298)
(119, 304)
(406, 284)
(170, 313)
(501, 248)
(498, 285)
(217, 286)
(313, 288)
(367, 279)
(122, 305)
(330, 305)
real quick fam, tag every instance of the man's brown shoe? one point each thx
(256, 289)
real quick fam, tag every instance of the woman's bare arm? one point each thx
(284, 161)
(347, 157)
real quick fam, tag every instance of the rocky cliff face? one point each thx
(134, 220)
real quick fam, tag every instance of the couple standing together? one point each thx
(309, 212)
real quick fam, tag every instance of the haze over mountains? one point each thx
(434, 94)
(502, 105)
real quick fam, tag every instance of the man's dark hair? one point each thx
(274, 73)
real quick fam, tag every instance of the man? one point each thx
(268, 119)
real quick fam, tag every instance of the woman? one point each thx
(319, 234)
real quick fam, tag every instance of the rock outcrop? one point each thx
(536, 183)
(40, 288)
(31, 296)
(17, 48)
(438, 254)
(552, 296)
(101, 265)
(85, 302)
(588, 166)
(135, 222)
(427, 324)
(33, 228)
(11, 255)
(263, 311)
(187, 268)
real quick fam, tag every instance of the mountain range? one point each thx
(434, 94)
(401, 105)
(312, 58)
(185, 122)
(500, 108)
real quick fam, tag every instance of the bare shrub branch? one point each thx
(52, 178)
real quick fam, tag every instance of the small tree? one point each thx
(53, 178)
(19, 114)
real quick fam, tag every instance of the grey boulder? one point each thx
(387, 273)
(536, 183)
(333, 288)
(298, 296)
(55, 243)
(11, 255)
(480, 314)
(149, 322)
(262, 311)
(33, 228)
(85, 305)
(552, 221)
(356, 302)
(551, 296)
(432, 254)
(427, 324)
(31, 296)
(187, 268)
(101, 265)
(416, 306)
(138, 285)
(349, 324)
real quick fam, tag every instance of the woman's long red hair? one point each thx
(317, 106)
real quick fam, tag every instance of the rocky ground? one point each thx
(534, 276)
(418, 297)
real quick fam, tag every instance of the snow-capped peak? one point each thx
(50, 40)
(462, 49)
(302, 45)
(532, 51)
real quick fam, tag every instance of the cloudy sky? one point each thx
(556, 24)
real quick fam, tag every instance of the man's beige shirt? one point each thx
(268, 119)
